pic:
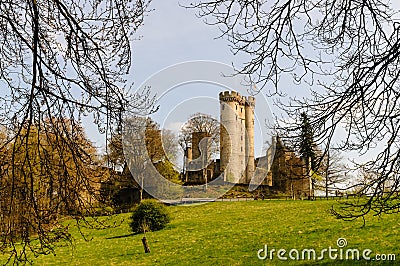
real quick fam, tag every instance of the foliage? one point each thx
(307, 145)
(159, 144)
(57, 180)
(140, 151)
(59, 61)
(149, 215)
(124, 198)
(167, 170)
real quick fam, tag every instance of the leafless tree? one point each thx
(59, 61)
(365, 184)
(200, 123)
(332, 172)
(137, 156)
(348, 52)
(170, 144)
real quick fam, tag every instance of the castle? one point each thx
(287, 172)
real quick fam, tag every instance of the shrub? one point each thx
(149, 215)
(102, 211)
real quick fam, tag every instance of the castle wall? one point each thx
(202, 176)
(289, 174)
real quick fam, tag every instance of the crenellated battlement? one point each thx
(229, 94)
(233, 96)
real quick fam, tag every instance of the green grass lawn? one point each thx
(231, 233)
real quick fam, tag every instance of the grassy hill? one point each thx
(231, 233)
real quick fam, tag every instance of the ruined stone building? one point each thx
(199, 169)
(287, 172)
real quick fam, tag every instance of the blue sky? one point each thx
(170, 35)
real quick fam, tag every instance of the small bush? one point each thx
(102, 211)
(149, 215)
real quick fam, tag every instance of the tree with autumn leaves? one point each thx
(143, 145)
(48, 169)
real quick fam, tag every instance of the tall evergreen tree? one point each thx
(307, 145)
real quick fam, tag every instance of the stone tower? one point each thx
(236, 137)
(249, 124)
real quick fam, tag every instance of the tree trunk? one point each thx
(141, 190)
(309, 177)
(145, 245)
(327, 176)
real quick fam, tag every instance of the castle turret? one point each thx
(235, 149)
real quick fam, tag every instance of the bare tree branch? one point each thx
(59, 61)
(348, 51)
